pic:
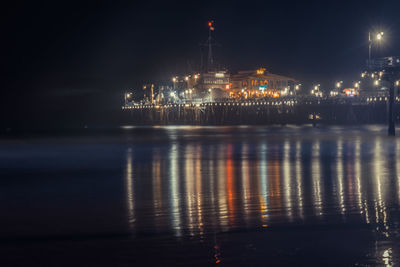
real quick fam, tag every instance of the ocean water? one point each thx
(180, 195)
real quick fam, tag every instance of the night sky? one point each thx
(68, 63)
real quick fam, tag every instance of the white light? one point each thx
(186, 78)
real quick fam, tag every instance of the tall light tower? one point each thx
(371, 38)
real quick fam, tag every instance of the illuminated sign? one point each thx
(219, 75)
(350, 91)
(261, 71)
(262, 88)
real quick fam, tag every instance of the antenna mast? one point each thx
(210, 60)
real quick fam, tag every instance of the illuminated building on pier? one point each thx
(216, 85)
(260, 83)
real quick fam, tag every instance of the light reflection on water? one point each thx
(282, 186)
(130, 188)
(199, 186)
(202, 184)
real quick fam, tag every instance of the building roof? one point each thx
(244, 75)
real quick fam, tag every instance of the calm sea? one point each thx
(184, 195)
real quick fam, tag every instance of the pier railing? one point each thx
(371, 109)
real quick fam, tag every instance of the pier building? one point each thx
(260, 83)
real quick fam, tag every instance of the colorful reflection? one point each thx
(130, 202)
(195, 187)
(316, 178)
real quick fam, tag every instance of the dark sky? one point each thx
(69, 62)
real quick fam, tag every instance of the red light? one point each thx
(209, 24)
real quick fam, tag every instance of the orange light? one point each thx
(209, 24)
(260, 71)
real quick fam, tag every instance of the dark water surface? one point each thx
(249, 196)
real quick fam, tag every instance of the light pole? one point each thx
(187, 81)
(357, 85)
(378, 37)
(174, 81)
(127, 96)
(338, 85)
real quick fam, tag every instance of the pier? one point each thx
(268, 112)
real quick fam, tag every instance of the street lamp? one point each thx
(357, 85)
(378, 37)
(175, 80)
(127, 97)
